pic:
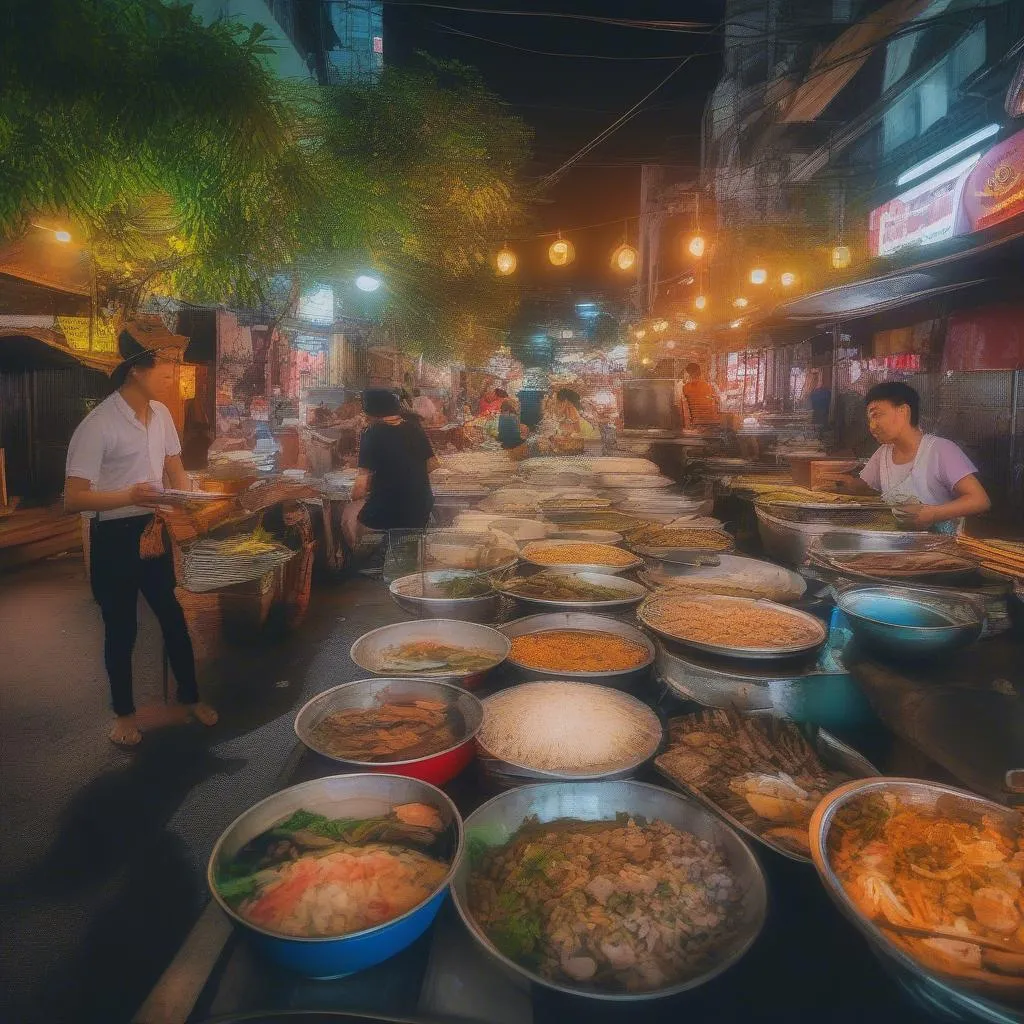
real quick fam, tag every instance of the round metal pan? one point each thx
(609, 570)
(632, 593)
(754, 653)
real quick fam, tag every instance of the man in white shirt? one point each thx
(119, 457)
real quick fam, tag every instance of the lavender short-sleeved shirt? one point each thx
(940, 465)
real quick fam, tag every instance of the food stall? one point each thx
(743, 709)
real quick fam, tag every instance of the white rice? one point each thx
(576, 728)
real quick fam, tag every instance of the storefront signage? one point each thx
(994, 191)
(923, 215)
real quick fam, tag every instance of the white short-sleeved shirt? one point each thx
(113, 449)
(937, 468)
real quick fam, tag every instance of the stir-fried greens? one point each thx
(556, 587)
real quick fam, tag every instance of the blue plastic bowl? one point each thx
(909, 624)
(356, 796)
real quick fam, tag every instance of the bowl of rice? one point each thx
(562, 730)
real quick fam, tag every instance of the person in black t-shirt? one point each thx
(392, 489)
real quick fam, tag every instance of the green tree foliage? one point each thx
(190, 170)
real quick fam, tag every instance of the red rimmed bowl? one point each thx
(436, 769)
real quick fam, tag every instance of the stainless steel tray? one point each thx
(632, 593)
(751, 653)
(834, 754)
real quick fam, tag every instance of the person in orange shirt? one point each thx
(701, 397)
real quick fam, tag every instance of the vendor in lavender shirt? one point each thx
(927, 479)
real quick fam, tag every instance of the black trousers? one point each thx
(117, 574)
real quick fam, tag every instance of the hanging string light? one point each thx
(690, 325)
(740, 302)
(624, 258)
(700, 302)
(696, 244)
(758, 275)
(561, 252)
(659, 326)
(787, 279)
(506, 261)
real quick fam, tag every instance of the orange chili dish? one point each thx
(577, 650)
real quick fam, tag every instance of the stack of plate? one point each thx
(205, 566)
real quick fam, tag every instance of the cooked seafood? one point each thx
(556, 587)
(577, 650)
(389, 731)
(314, 876)
(577, 554)
(759, 769)
(571, 727)
(656, 536)
(910, 866)
(434, 657)
(615, 905)
(729, 622)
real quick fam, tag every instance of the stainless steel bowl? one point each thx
(908, 623)
(515, 773)
(408, 592)
(632, 593)
(623, 680)
(368, 650)
(942, 993)
(496, 821)
(436, 768)
(611, 570)
(721, 650)
(806, 690)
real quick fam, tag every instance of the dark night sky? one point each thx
(568, 101)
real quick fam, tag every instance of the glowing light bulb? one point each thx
(660, 325)
(696, 246)
(506, 262)
(787, 280)
(736, 323)
(561, 253)
(62, 236)
(624, 257)
(368, 283)
(758, 275)
(690, 325)
(700, 302)
(740, 302)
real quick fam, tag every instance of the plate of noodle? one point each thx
(734, 627)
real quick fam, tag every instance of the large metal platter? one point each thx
(754, 653)
(411, 594)
(497, 820)
(834, 755)
(610, 570)
(771, 573)
(956, 998)
(632, 593)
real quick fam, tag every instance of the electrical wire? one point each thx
(451, 30)
(551, 178)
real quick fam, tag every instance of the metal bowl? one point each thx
(515, 773)
(366, 651)
(623, 680)
(438, 768)
(610, 570)
(907, 623)
(407, 594)
(941, 993)
(497, 820)
(339, 796)
(752, 653)
(807, 689)
(632, 593)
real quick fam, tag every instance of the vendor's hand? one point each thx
(144, 494)
(920, 517)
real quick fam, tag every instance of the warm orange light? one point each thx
(740, 302)
(690, 325)
(696, 246)
(758, 275)
(62, 236)
(639, 333)
(646, 361)
(841, 257)
(187, 381)
(787, 280)
(700, 302)
(624, 257)
(561, 253)
(736, 323)
(659, 326)
(506, 261)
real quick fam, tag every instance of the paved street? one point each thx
(105, 851)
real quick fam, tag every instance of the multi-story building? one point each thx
(323, 42)
(873, 153)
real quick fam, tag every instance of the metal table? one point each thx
(808, 963)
